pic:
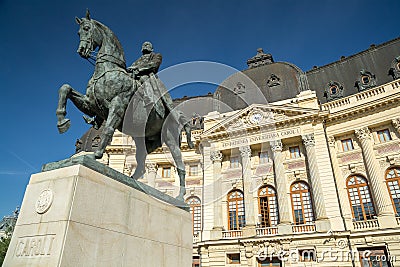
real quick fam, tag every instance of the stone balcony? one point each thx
(366, 225)
(232, 234)
(303, 228)
(266, 231)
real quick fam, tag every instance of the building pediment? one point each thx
(258, 116)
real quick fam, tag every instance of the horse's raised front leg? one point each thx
(81, 102)
(141, 155)
(173, 145)
(115, 116)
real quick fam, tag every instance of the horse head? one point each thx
(90, 37)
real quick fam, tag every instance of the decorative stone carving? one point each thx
(260, 59)
(333, 91)
(240, 88)
(44, 201)
(273, 80)
(367, 80)
(396, 124)
(332, 141)
(394, 70)
(216, 156)
(245, 151)
(308, 139)
(151, 167)
(276, 145)
(363, 133)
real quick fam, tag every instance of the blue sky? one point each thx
(39, 41)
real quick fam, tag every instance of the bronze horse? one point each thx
(113, 97)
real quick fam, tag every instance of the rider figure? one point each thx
(144, 72)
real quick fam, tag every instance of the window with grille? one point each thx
(384, 135)
(166, 172)
(268, 206)
(294, 152)
(263, 157)
(235, 162)
(236, 215)
(301, 203)
(360, 198)
(195, 211)
(347, 144)
(193, 170)
(393, 181)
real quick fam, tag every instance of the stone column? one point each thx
(216, 159)
(379, 190)
(250, 229)
(316, 188)
(284, 226)
(341, 184)
(151, 173)
(208, 193)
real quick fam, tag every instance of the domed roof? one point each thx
(265, 81)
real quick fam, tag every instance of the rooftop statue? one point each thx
(132, 100)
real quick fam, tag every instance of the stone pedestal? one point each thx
(79, 212)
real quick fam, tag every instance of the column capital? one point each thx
(308, 139)
(331, 141)
(276, 145)
(151, 167)
(396, 124)
(363, 133)
(216, 156)
(245, 151)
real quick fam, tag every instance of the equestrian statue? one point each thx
(132, 100)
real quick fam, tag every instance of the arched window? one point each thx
(195, 211)
(301, 203)
(393, 181)
(268, 206)
(360, 198)
(236, 214)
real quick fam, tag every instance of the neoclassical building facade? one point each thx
(308, 176)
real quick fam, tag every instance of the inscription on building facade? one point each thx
(261, 137)
(34, 246)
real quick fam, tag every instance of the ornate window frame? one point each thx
(392, 177)
(268, 206)
(359, 195)
(236, 210)
(195, 212)
(300, 195)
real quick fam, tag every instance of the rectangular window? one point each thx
(384, 136)
(233, 258)
(193, 170)
(274, 262)
(347, 144)
(166, 172)
(374, 257)
(263, 157)
(235, 162)
(307, 255)
(294, 152)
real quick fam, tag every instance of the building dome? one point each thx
(265, 81)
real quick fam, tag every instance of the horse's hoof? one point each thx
(63, 125)
(98, 154)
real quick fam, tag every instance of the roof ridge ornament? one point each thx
(260, 59)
